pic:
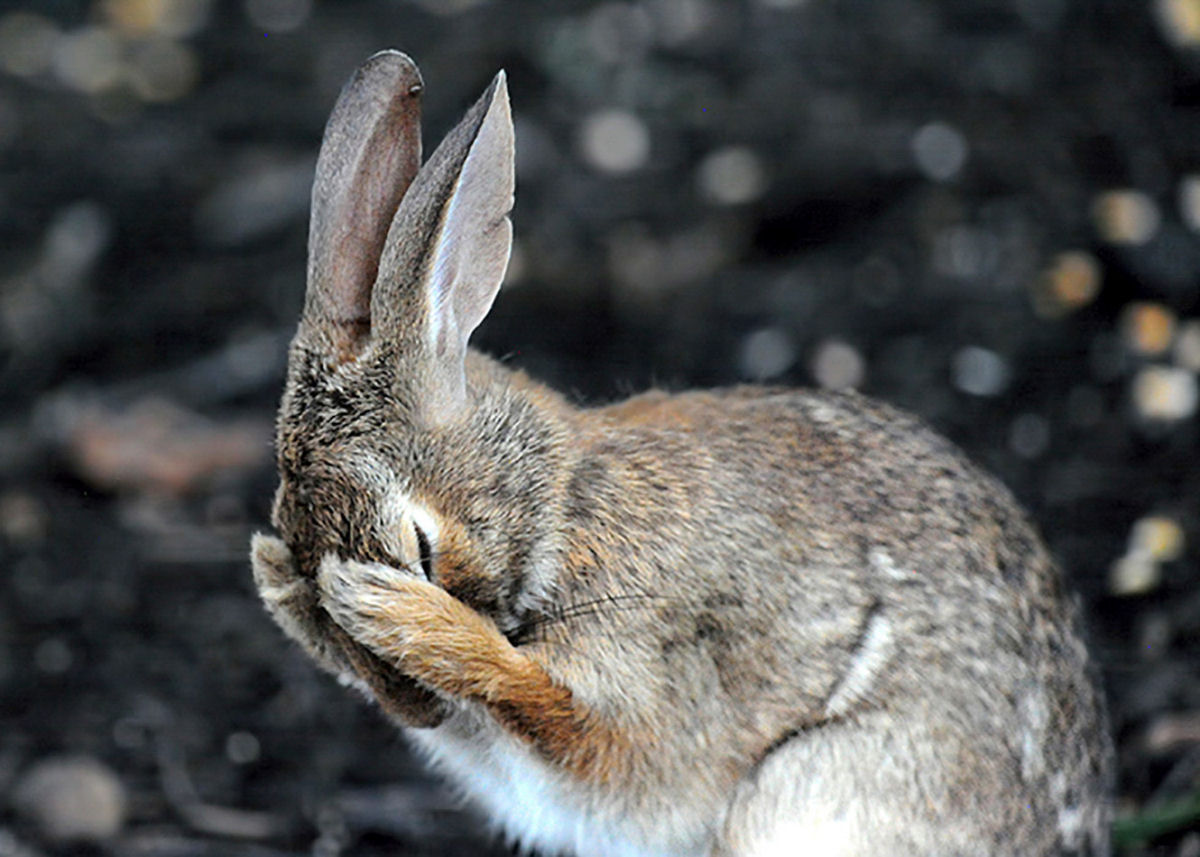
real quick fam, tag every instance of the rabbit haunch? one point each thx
(715, 623)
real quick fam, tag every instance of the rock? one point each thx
(158, 446)
(71, 799)
(10, 846)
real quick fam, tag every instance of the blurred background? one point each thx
(985, 211)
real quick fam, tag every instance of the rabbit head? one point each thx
(385, 411)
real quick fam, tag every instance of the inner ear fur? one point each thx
(369, 156)
(446, 253)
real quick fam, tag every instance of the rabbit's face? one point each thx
(365, 477)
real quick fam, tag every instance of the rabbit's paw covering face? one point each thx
(444, 645)
(292, 600)
(276, 577)
(414, 625)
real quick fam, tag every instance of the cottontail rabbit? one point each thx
(740, 622)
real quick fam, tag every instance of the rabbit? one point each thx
(746, 621)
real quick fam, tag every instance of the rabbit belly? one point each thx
(541, 808)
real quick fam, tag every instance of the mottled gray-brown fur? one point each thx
(740, 622)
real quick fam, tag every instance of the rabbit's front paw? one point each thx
(275, 574)
(414, 625)
(292, 601)
(295, 604)
(433, 638)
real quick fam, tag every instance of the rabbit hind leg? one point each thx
(844, 790)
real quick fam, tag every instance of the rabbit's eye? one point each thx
(425, 551)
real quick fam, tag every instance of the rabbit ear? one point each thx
(448, 250)
(369, 155)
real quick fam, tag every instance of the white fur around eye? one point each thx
(398, 514)
(424, 519)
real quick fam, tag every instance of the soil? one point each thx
(984, 211)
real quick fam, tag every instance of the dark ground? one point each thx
(986, 211)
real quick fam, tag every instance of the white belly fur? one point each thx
(537, 806)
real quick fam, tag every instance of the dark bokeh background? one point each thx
(986, 211)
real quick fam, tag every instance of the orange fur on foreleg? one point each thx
(444, 644)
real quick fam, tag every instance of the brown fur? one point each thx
(690, 620)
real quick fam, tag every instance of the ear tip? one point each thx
(392, 57)
(499, 88)
(499, 102)
(396, 67)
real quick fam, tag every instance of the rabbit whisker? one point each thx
(601, 606)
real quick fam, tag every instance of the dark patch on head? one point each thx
(722, 600)
(320, 508)
(709, 629)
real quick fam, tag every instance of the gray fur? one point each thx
(797, 614)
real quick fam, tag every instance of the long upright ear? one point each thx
(369, 155)
(447, 252)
